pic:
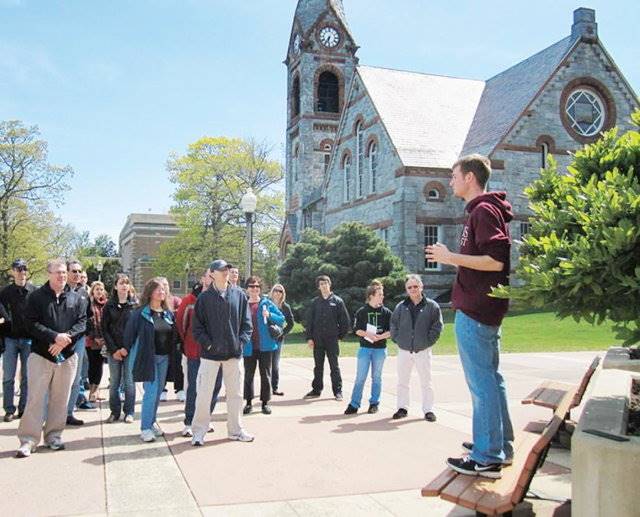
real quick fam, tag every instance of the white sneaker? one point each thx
(197, 442)
(25, 450)
(181, 396)
(56, 445)
(156, 430)
(148, 435)
(128, 419)
(211, 429)
(187, 432)
(242, 436)
(163, 396)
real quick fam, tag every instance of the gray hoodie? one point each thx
(427, 328)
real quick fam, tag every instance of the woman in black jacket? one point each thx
(114, 319)
(278, 295)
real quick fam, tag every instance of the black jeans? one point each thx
(275, 368)
(263, 361)
(175, 373)
(330, 348)
(95, 366)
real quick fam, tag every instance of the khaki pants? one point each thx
(55, 380)
(232, 375)
(422, 361)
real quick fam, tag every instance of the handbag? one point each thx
(275, 331)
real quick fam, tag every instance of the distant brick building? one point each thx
(376, 145)
(139, 241)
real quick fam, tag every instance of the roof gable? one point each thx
(507, 95)
(427, 117)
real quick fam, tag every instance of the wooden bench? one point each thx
(500, 496)
(550, 393)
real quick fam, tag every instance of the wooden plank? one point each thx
(533, 395)
(457, 487)
(582, 388)
(439, 483)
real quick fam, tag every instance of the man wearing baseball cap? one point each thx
(17, 339)
(222, 326)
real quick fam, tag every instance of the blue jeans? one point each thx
(76, 387)
(193, 365)
(479, 348)
(121, 375)
(374, 357)
(152, 391)
(14, 348)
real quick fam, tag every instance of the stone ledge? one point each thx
(617, 357)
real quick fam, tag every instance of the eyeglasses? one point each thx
(253, 286)
(278, 291)
(76, 271)
(22, 268)
(413, 287)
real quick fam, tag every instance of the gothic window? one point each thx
(585, 112)
(328, 93)
(346, 174)
(431, 236)
(360, 159)
(525, 226)
(373, 165)
(544, 153)
(295, 97)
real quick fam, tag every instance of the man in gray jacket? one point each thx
(416, 324)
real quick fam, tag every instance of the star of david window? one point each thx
(585, 112)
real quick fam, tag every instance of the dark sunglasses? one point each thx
(22, 268)
(75, 271)
(253, 286)
(413, 287)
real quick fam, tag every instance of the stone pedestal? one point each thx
(617, 357)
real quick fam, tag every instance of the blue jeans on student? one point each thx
(14, 348)
(152, 391)
(193, 365)
(479, 348)
(76, 387)
(373, 357)
(121, 375)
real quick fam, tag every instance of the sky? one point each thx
(116, 87)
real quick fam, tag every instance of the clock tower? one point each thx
(320, 65)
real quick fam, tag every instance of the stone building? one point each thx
(376, 145)
(139, 241)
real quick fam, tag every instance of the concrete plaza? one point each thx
(308, 458)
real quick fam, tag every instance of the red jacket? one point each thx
(184, 321)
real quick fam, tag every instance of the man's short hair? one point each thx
(478, 165)
(322, 278)
(55, 264)
(415, 277)
(72, 262)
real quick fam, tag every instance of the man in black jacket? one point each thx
(221, 326)
(327, 322)
(17, 338)
(56, 317)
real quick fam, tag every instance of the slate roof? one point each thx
(426, 116)
(308, 11)
(507, 95)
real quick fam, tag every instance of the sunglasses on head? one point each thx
(278, 291)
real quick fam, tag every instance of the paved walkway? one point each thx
(308, 458)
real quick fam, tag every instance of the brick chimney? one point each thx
(584, 24)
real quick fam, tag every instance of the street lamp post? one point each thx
(187, 266)
(248, 204)
(99, 267)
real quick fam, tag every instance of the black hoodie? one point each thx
(485, 232)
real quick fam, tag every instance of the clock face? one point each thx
(329, 37)
(297, 43)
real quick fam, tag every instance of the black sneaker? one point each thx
(351, 410)
(313, 394)
(9, 417)
(278, 393)
(247, 409)
(266, 409)
(430, 416)
(468, 446)
(373, 408)
(469, 467)
(72, 420)
(401, 413)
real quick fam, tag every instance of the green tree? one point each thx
(352, 255)
(108, 275)
(210, 180)
(29, 185)
(582, 255)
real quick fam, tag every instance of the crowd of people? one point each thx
(63, 332)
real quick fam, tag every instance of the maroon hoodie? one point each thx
(485, 232)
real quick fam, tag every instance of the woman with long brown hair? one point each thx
(151, 335)
(95, 340)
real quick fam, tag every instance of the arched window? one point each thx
(295, 97)
(544, 153)
(433, 194)
(346, 174)
(360, 160)
(373, 165)
(328, 93)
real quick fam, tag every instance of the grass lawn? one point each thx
(521, 332)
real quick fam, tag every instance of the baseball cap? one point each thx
(19, 263)
(219, 265)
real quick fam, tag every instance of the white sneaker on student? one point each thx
(242, 436)
(25, 450)
(197, 442)
(187, 432)
(181, 396)
(163, 396)
(148, 435)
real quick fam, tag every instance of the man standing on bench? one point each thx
(483, 263)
